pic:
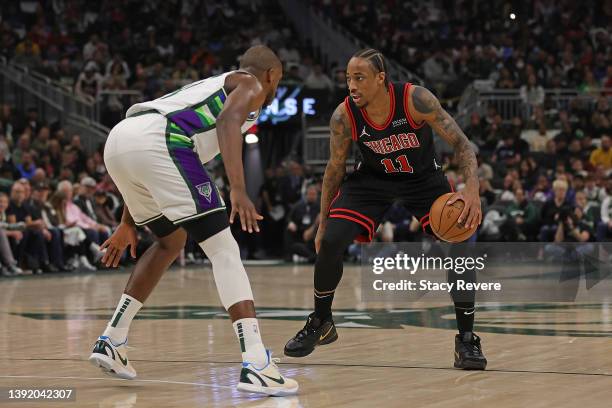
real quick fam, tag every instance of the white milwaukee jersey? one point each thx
(192, 112)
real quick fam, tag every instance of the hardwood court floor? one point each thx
(540, 355)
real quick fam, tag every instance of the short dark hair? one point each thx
(260, 58)
(376, 60)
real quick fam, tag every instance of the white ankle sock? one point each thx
(118, 327)
(253, 350)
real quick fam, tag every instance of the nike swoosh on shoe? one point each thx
(280, 380)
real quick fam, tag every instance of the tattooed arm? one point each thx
(426, 107)
(339, 148)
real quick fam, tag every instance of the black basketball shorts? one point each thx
(364, 198)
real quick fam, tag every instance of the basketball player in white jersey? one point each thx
(155, 157)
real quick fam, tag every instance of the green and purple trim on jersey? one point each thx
(201, 117)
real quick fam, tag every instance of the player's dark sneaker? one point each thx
(468, 352)
(314, 333)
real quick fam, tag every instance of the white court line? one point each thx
(115, 379)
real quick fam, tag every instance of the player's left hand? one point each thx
(471, 215)
(243, 207)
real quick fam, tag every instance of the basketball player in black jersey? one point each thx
(392, 125)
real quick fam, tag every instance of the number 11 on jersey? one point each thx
(404, 166)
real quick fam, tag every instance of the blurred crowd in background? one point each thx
(544, 177)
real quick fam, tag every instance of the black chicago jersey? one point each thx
(398, 164)
(398, 148)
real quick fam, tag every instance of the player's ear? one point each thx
(269, 75)
(381, 78)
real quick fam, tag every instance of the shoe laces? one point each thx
(308, 328)
(474, 345)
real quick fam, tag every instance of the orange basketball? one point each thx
(443, 220)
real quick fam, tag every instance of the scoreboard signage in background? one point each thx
(289, 104)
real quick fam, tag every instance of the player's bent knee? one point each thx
(174, 242)
(230, 276)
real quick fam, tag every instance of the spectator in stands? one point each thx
(508, 154)
(40, 176)
(8, 121)
(27, 53)
(607, 81)
(602, 156)
(26, 168)
(113, 103)
(42, 210)
(537, 143)
(41, 142)
(97, 233)
(32, 248)
(165, 49)
(532, 94)
(340, 86)
(486, 191)
(477, 130)
(102, 209)
(55, 157)
(439, 70)
(89, 84)
(23, 145)
(318, 80)
(8, 232)
(505, 81)
(571, 229)
(77, 243)
(93, 47)
(117, 67)
(493, 135)
(594, 193)
(589, 84)
(306, 66)
(80, 156)
(604, 228)
(32, 121)
(85, 198)
(288, 53)
(27, 189)
(523, 218)
(302, 226)
(552, 209)
(601, 118)
(65, 74)
(292, 75)
(291, 184)
(183, 73)
(585, 211)
(551, 155)
(7, 169)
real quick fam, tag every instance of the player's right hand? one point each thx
(244, 208)
(125, 235)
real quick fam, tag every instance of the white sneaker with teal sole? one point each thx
(267, 380)
(112, 359)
